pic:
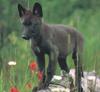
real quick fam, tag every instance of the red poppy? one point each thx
(40, 75)
(33, 66)
(29, 85)
(14, 89)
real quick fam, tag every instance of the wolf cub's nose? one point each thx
(25, 37)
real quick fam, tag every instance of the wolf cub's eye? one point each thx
(28, 23)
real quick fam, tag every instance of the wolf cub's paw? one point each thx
(35, 89)
(43, 86)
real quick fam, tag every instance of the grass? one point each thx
(19, 51)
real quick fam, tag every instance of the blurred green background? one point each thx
(82, 14)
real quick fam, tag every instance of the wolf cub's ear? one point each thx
(37, 10)
(21, 10)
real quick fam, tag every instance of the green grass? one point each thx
(19, 50)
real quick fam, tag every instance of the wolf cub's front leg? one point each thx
(41, 65)
(53, 56)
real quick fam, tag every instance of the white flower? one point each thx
(12, 63)
(55, 77)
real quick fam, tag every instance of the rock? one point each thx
(65, 82)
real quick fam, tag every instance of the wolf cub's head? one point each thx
(31, 20)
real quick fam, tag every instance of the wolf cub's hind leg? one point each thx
(62, 63)
(78, 70)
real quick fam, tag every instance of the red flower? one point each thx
(40, 75)
(33, 66)
(14, 89)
